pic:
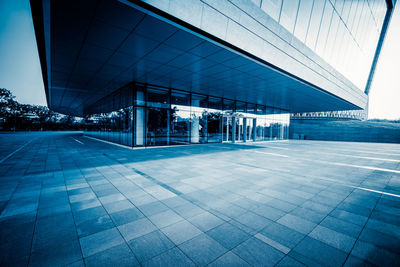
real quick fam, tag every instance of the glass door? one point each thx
(227, 129)
(239, 137)
(249, 129)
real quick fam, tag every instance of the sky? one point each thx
(20, 70)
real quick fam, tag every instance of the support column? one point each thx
(140, 120)
(254, 129)
(233, 129)
(244, 129)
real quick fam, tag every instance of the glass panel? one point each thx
(339, 6)
(198, 119)
(215, 103)
(214, 126)
(157, 126)
(249, 129)
(240, 106)
(140, 117)
(352, 15)
(330, 42)
(227, 128)
(288, 14)
(303, 18)
(257, 2)
(180, 98)
(325, 24)
(272, 8)
(126, 116)
(260, 110)
(315, 22)
(199, 101)
(180, 118)
(158, 98)
(259, 130)
(251, 108)
(239, 129)
(229, 106)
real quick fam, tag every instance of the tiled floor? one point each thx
(66, 199)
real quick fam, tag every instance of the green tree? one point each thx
(10, 109)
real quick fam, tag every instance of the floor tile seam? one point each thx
(156, 227)
(180, 195)
(184, 197)
(231, 249)
(364, 226)
(358, 236)
(34, 228)
(108, 214)
(115, 226)
(307, 235)
(75, 224)
(16, 187)
(17, 150)
(329, 180)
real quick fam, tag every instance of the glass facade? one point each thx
(139, 115)
(344, 33)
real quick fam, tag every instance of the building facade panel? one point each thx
(176, 72)
(253, 30)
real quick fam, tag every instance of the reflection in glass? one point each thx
(180, 123)
(157, 126)
(180, 118)
(172, 117)
(198, 119)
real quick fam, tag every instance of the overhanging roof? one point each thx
(91, 48)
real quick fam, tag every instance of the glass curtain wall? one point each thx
(139, 115)
(344, 33)
(113, 117)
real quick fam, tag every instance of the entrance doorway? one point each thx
(237, 128)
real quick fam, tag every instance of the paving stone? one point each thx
(256, 252)
(375, 255)
(165, 218)
(297, 223)
(319, 252)
(173, 257)
(150, 245)
(181, 232)
(136, 228)
(333, 238)
(240, 204)
(125, 216)
(282, 234)
(202, 249)
(100, 241)
(94, 225)
(341, 226)
(119, 255)
(229, 259)
(205, 221)
(228, 235)
(289, 262)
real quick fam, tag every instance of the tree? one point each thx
(10, 109)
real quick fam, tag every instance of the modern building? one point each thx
(166, 72)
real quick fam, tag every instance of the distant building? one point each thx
(199, 71)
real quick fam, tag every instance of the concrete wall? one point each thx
(245, 25)
(357, 131)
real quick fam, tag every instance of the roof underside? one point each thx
(97, 47)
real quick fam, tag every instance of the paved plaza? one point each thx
(66, 199)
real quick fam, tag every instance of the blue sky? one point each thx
(20, 68)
